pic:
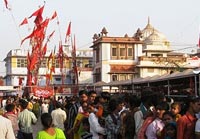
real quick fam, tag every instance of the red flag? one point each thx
(25, 21)
(39, 32)
(68, 33)
(68, 29)
(54, 15)
(199, 41)
(44, 49)
(48, 38)
(29, 36)
(38, 12)
(6, 4)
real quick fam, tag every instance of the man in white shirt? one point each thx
(58, 116)
(6, 130)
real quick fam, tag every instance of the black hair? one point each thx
(10, 107)
(92, 92)
(24, 104)
(81, 92)
(46, 120)
(105, 95)
(113, 103)
(168, 113)
(58, 104)
(163, 106)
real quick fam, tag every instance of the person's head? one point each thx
(167, 117)
(104, 97)
(10, 107)
(46, 120)
(193, 104)
(23, 104)
(175, 108)
(115, 105)
(161, 108)
(171, 129)
(92, 95)
(8, 101)
(58, 104)
(83, 95)
(84, 105)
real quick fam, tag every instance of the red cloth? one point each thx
(186, 126)
(142, 130)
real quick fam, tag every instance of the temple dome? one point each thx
(156, 38)
(150, 35)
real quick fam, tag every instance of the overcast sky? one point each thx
(178, 20)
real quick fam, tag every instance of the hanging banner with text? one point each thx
(42, 91)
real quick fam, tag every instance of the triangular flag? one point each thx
(25, 21)
(68, 29)
(54, 15)
(68, 33)
(38, 12)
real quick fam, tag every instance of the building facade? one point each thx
(147, 53)
(16, 68)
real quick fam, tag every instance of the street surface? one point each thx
(37, 127)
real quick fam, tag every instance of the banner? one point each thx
(42, 91)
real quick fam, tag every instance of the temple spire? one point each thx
(148, 20)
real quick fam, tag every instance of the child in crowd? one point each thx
(170, 129)
(176, 109)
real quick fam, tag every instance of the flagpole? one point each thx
(15, 24)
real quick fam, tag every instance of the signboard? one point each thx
(42, 91)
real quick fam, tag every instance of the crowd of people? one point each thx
(102, 116)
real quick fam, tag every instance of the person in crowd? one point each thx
(104, 100)
(6, 130)
(91, 96)
(170, 130)
(59, 116)
(176, 109)
(52, 104)
(146, 102)
(10, 109)
(167, 117)
(186, 123)
(95, 127)
(154, 129)
(25, 119)
(149, 118)
(112, 121)
(78, 127)
(45, 106)
(49, 132)
(36, 108)
(128, 121)
(86, 127)
(73, 111)
(30, 104)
